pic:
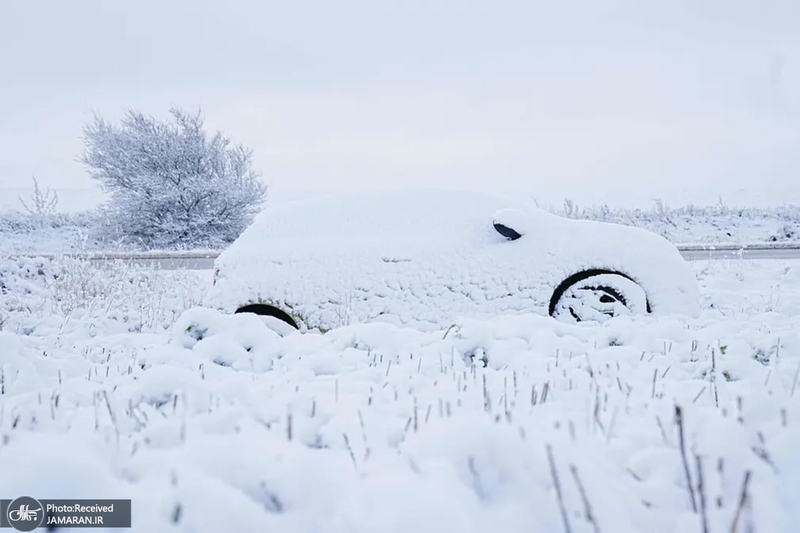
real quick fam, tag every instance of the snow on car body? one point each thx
(424, 258)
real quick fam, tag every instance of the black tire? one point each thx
(268, 310)
(598, 295)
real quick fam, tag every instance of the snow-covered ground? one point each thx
(114, 383)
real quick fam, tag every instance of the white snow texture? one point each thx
(114, 384)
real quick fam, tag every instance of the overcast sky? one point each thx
(620, 101)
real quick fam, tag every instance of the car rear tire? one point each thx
(268, 310)
(598, 296)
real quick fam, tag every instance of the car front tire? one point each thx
(598, 296)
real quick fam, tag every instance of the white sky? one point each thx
(619, 101)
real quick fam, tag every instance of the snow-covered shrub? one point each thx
(570, 209)
(42, 205)
(22, 284)
(19, 222)
(40, 212)
(787, 232)
(171, 185)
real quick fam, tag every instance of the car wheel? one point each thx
(268, 310)
(598, 297)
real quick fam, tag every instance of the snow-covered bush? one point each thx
(18, 222)
(787, 232)
(40, 213)
(42, 204)
(171, 185)
(58, 233)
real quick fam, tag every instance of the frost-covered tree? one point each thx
(170, 184)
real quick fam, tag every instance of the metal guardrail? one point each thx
(213, 254)
(732, 247)
(204, 259)
(134, 256)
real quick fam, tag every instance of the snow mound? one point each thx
(242, 341)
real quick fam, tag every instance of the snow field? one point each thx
(209, 422)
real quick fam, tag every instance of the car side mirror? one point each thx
(512, 223)
(509, 233)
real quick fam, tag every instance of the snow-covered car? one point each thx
(424, 258)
